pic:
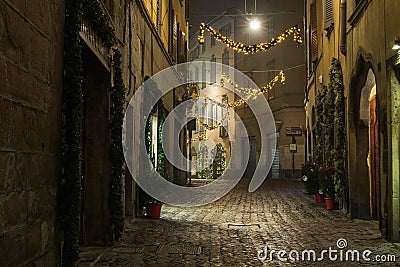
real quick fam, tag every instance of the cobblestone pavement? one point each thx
(279, 215)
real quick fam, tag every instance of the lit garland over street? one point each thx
(249, 49)
(250, 93)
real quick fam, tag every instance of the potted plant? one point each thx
(328, 187)
(153, 208)
(311, 181)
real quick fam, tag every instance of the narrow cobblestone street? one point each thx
(278, 215)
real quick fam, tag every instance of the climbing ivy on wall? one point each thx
(336, 81)
(319, 122)
(71, 152)
(328, 114)
(330, 129)
(71, 187)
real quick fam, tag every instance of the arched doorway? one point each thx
(364, 182)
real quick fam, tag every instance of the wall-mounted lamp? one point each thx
(396, 44)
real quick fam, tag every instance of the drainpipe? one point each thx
(343, 27)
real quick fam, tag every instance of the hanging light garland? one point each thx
(254, 92)
(250, 93)
(201, 136)
(213, 127)
(249, 49)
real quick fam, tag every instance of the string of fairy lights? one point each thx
(249, 92)
(249, 49)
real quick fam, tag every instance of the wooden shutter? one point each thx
(174, 36)
(328, 13)
(313, 41)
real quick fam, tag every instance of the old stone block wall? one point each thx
(31, 52)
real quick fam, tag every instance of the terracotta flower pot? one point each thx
(153, 210)
(319, 198)
(330, 203)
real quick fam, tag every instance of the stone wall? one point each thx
(31, 51)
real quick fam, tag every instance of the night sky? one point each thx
(206, 10)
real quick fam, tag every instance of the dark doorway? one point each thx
(252, 163)
(95, 216)
(364, 187)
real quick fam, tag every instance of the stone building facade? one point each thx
(360, 34)
(286, 101)
(151, 35)
(31, 56)
(210, 54)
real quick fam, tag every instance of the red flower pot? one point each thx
(330, 203)
(153, 210)
(319, 198)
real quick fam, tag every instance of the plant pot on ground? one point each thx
(330, 203)
(319, 197)
(153, 210)
(328, 187)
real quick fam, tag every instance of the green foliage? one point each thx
(116, 154)
(319, 125)
(331, 133)
(160, 151)
(336, 78)
(99, 21)
(70, 188)
(219, 159)
(160, 112)
(311, 177)
(327, 181)
(71, 152)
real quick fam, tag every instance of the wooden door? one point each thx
(374, 161)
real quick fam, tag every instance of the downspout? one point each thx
(307, 58)
(343, 22)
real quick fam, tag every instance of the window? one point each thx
(212, 41)
(226, 30)
(328, 14)
(312, 40)
(222, 113)
(203, 75)
(213, 70)
(203, 47)
(196, 74)
(174, 35)
(225, 61)
(195, 53)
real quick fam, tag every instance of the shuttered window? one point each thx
(175, 37)
(328, 13)
(225, 61)
(312, 37)
(158, 22)
(213, 69)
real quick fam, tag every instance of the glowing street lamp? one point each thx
(255, 24)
